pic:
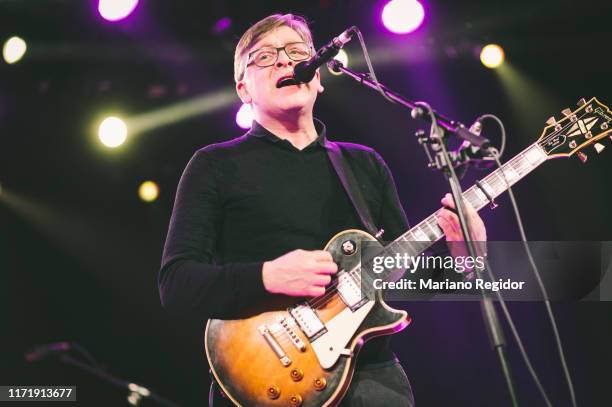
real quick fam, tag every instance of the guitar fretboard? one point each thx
(423, 235)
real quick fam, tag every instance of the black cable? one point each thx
(534, 267)
(434, 132)
(370, 67)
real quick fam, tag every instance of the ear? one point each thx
(320, 88)
(243, 93)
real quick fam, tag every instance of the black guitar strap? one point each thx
(351, 186)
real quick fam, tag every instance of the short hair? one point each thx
(262, 27)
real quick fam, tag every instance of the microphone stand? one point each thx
(137, 393)
(442, 128)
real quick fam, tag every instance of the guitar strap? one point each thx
(351, 186)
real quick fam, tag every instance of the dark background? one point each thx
(79, 252)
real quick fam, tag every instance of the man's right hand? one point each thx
(300, 273)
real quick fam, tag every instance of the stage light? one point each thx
(245, 117)
(403, 16)
(222, 25)
(115, 10)
(342, 57)
(14, 49)
(187, 109)
(148, 191)
(492, 56)
(112, 132)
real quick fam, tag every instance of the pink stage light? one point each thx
(244, 116)
(115, 10)
(403, 16)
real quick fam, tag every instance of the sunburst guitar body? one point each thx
(301, 353)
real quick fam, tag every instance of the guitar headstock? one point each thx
(585, 126)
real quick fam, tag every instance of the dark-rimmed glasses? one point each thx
(267, 56)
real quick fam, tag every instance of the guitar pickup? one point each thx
(349, 288)
(309, 321)
(274, 345)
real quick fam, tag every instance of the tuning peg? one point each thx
(567, 112)
(599, 147)
(551, 121)
(582, 156)
(581, 102)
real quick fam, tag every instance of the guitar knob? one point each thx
(582, 156)
(297, 375)
(349, 247)
(581, 102)
(295, 400)
(551, 121)
(599, 147)
(320, 383)
(566, 112)
(273, 392)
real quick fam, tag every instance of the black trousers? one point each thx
(374, 385)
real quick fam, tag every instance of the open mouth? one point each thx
(286, 81)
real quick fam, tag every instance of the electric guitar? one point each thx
(303, 354)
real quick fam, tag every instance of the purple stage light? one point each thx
(244, 116)
(115, 10)
(403, 16)
(222, 25)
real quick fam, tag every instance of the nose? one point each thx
(283, 59)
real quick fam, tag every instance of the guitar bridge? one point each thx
(288, 324)
(274, 345)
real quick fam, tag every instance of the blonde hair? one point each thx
(262, 27)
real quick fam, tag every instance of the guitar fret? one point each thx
(429, 230)
(420, 235)
(477, 194)
(510, 173)
(535, 155)
(487, 186)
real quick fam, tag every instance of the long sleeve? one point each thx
(392, 217)
(189, 280)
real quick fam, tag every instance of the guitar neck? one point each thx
(426, 233)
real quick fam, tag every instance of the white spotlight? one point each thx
(14, 49)
(112, 132)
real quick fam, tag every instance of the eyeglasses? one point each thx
(267, 56)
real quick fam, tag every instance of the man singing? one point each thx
(252, 213)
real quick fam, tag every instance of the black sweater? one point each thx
(254, 198)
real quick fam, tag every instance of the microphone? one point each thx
(475, 149)
(305, 71)
(476, 127)
(40, 352)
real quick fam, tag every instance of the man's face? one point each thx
(258, 85)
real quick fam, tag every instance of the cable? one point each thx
(501, 126)
(370, 67)
(539, 280)
(506, 312)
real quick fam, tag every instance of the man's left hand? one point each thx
(449, 222)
